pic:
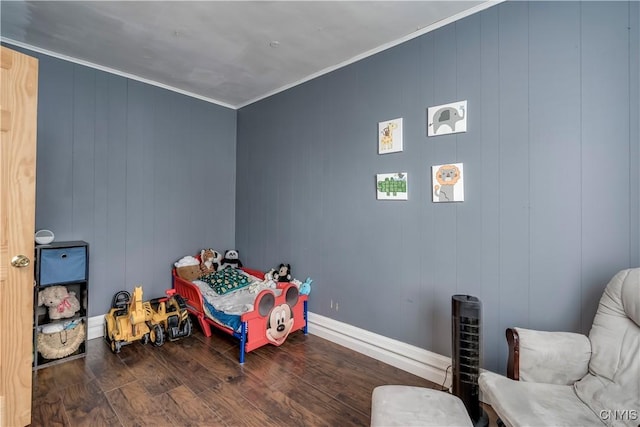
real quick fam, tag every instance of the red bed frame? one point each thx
(255, 330)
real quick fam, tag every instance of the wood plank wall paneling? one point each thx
(514, 167)
(83, 151)
(634, 128)
(113, 262)
(489, 211)
(143, 174)
(541, 79)
(555, 167)
(605, 146)
(444, 216)
(469, 228)
(140, 177)
(552, 91)
(54, 198)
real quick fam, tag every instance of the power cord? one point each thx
(445, 379)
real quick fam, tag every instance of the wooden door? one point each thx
(18, 108)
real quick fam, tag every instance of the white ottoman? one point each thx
(400, 405)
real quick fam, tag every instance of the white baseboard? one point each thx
(95, 327)
(416, 360)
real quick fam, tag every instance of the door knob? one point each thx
(19, 261)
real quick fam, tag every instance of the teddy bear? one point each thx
(282, 273)
(231, 259)
(209, 261)
(188, 268)
(59, 301)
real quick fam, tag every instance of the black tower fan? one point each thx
(465, 335)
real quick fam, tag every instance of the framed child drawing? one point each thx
(390, 136)
(448, 183)
(447, 118)
(392, 186)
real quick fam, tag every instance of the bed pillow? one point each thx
(226, 280)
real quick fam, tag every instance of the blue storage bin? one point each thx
(63, 265)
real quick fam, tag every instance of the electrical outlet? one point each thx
(332, 304)
(336, 305)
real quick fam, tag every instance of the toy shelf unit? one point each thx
(61, 295)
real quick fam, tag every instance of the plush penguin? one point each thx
(231, 259)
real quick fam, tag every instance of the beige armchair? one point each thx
(567, 379)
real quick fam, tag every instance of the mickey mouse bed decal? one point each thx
(279, 318)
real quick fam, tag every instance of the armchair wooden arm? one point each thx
(547, 357)
(513, 362)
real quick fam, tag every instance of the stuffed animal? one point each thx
(209, 261)
(188, 268)
(61, 303)
(282, 273)
(268, 276)
(305, 288)
(231, 259)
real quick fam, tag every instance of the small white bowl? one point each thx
(44, 237)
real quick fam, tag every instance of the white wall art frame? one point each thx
(390, 136)
(392, 186)
(447, 183)
(447, 118)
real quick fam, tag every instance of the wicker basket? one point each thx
(61, 344)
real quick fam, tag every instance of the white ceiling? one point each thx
(228, 52)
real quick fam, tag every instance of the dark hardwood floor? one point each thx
(197, 381)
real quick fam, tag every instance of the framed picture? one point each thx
(392, 186)
(447, 118)
(390, 136)
(448, 183)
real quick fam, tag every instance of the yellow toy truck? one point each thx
(131, 319)
(171, 314)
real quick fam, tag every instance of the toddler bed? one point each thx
(259, 312)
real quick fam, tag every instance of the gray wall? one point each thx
(551, 162)
(143, 174)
